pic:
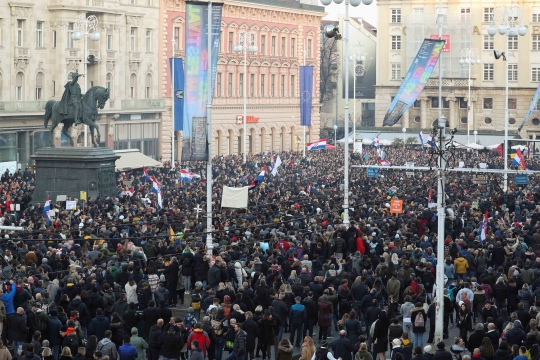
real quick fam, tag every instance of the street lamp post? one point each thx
(86, 27)
(357, 70)
(331, 31)
(245, 42)
(510, 18)
(335, 134)
(475, 133)
(469, 57)
(404, 130)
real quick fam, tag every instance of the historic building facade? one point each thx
(402, 27)
(38, 55)
(285, 32)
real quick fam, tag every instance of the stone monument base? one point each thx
(70, 170)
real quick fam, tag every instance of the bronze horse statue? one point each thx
(94, 99)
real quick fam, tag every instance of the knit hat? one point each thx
(517, 323)
(396, 342)
(134, 330)
(226, 298)
(428, 349)
(190, 310)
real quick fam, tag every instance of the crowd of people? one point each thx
(107, 280)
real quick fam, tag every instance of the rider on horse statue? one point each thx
(72, 98)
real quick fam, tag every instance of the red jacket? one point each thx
(360, 246)
(200, 336)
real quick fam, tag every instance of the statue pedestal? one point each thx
(70, 170)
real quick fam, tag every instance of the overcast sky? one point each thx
(369, 13)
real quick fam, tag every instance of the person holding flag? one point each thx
(519, 160)
(46, 210)
(484, 226)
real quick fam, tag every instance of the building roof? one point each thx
(291, 4)
(370, 28)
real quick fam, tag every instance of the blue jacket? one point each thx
(127, 352)
(298, 314)
(8, 300)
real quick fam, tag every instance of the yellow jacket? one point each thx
(461, 265)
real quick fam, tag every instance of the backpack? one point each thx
(419, 320)
(451, 293)
(189, 322)
(217, 326)
(528, 354)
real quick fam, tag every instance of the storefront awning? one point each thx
(134, 159)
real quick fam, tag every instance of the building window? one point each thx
(39, 34)
(462, 103)
(309, 48)
(71, 29)
(133, 86)
(229, 84)
(273, 46)
(417, 119)
(231, 40)
(133, 39)
(283, 43)
(108, 83)
(488, 14)
(536, 42)
(536, 17)
(148, 40)
(418, 14)
(272, 84)
(293, 86)
(109, 42)
(53, 37)
(19, 80)
(148, 87)
(535, 74)
(396, 16)
(39, 86)
(489, 42)
(512, 42)
(262, 85)
(251, 85)
(487, 121)
(263, 44)
(465, 41)
(512, 104)
(218, 85)
(396, 71)
(20, 33)
(417, 104)
(435, 103)
(241, 85)
(464, 70)
(396, 42)
(282, 90)
(176, 37)
(488, 103)
(293, 46)
(489, 70)
(512, 72)
(465, 14)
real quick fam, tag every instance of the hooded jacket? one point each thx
(284, 352)
(461, 265)
(202, 337)
(240, 343)
(107, 347)
(7, 298)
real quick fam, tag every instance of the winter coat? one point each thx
(393, 287)
(214, 276)
(172, 343)
(479, 301)
(460, 265)
(516, 335)
(107, 348)
(263, 297)
(17, 328)
(131, 293)
(150, 317)
(240, 343)
(267, 330)
(525, 297)
(171, 272)
(140, 345)
(285, 352)
(325, 313)
(197, 354)
(240, 272)
(252, 331)
(53, 329)
(414, 314)
(98, 326)
(443, 355)
(187, 260)
(201, 267)
(120, 307)
(127, 352)
(201, 337)
(156, 336)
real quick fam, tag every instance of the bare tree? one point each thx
(329, 69)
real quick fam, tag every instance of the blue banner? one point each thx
(534, 102)
(306, 94)
(414, 82)
(178, 92)
(195, 141)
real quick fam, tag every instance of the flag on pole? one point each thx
(156, 189)
(316, 145)
(483, 230)
(430, 140)
(272, 160)
(384, 162)
(188, 176)
(145, 174)
(276, 166)
(519, 160)
(260, 178)
(421, 136)
(46, 210)
(377, 144)
(244, 178)
(306, 96)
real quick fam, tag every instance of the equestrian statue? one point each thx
(75, 108)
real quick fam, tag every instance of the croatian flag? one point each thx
(377, 144)
(430, 141)
(244, 178)
(319, 144)
(519, 160)
(272, 160)
(483, 230)
(145, 174)
(252, 185)
(260, 178)
(188, 176)
(384, 162)
(421, 136)
(156, 189)
(129, 192)
(46, 210)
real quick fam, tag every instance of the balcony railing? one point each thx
(139, 104)
(22, 52)
(94, 52)
(135, 56)
(22, 106)
(450, 82)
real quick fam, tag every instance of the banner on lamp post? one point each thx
(306, 94)
(178, 92)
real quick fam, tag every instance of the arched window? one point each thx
(19, 80)
(148, 87)
(39, 86)
(108, 83)
(133, 86)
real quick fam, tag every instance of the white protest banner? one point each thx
(71, 205)
(234, 197)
